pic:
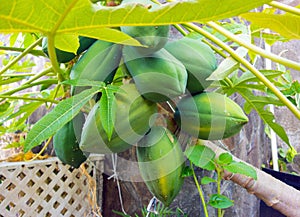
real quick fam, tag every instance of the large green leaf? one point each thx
(90, 20)
(285, 24)
(64, 112)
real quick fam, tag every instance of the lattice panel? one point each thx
(45, 188)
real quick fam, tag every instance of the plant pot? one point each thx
(48, 188)
(292, 180)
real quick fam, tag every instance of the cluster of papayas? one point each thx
(160, 70)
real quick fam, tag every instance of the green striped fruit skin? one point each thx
(66, 142)
(153, 37)
(161, 164)
(209, 116)
(199, 60)
(159, 77)
(65, 56)
(98, 63)
(132, 120)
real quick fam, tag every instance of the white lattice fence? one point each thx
(46, 188)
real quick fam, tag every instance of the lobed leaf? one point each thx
(286, 25)
(94, 21)
(254, 102)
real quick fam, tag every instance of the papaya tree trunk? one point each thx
(273, 192)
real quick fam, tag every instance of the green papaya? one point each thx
(98, 63)
(66, 142)
(161, 163)
(199, 60)
(65, 56)
(209, 116)
(132, 116)
(153, 37)
(159, 77)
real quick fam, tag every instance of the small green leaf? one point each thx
(207, 180)
(225, 158)
(201, 156)
(187, 172)
(241, 168)
(290, 155)
(107, 112)
(57, 118)
(219, 201)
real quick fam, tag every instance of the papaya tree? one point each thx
(113, 69)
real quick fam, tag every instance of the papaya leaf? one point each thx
(262, 101)
(241, 168)
(219, 201)
(95, 21)
(26, 109)
(107, 112)
(67, 42)
(249, 77)
(265, 115)
(64, 112)
(201, 156)
(286, 25)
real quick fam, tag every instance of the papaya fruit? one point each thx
(161, 163)
(159, 77)
(132, 116)
(152, 37)
(98, 63)
(199, 60)
(65, 56)
(66, 142)
(209, 116)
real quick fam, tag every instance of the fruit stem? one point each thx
(200, 191)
